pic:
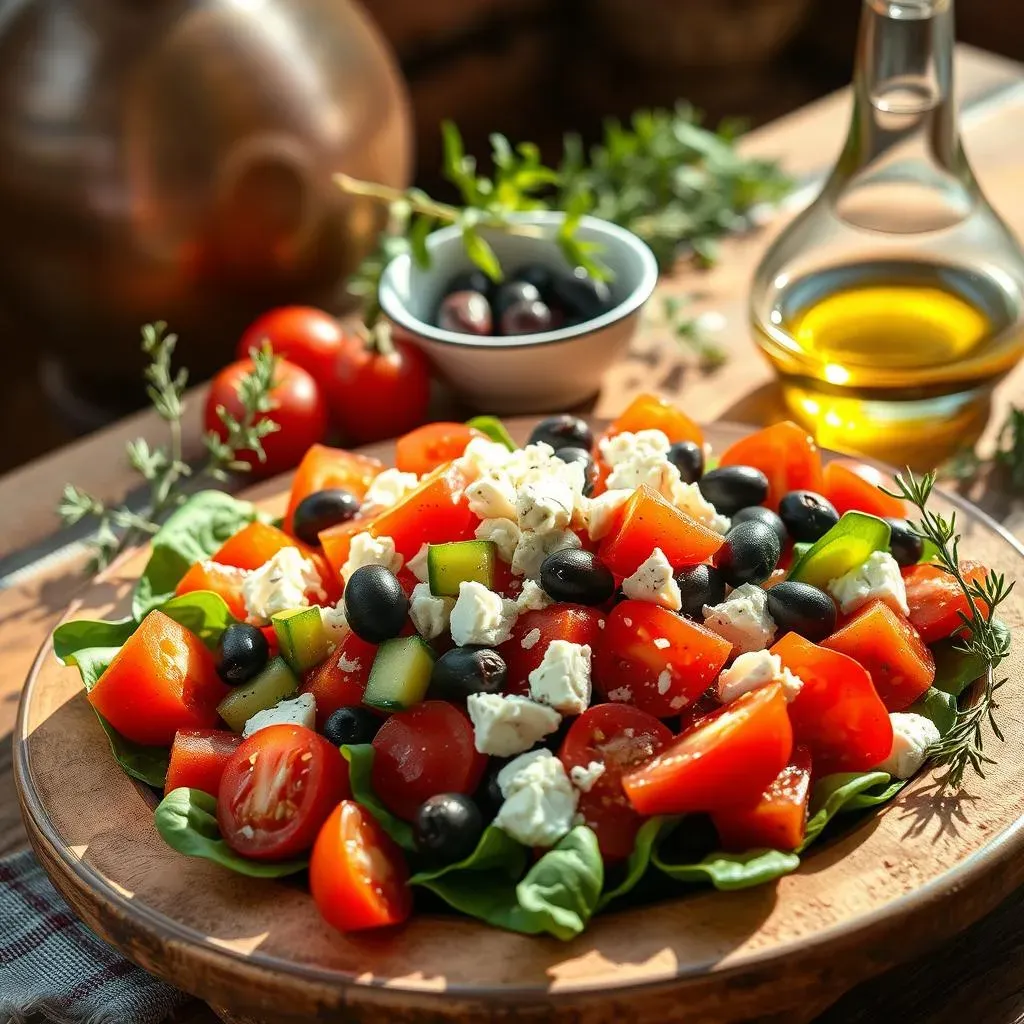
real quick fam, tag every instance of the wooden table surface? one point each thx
(981, 973)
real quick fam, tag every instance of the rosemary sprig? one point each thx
(963, 745)
(164, 468)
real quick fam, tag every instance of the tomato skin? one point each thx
(374, 395)
(299, 409)
(254, 545)
(199, 757)
(778, 820)
(357, 874)
(422, 450)
(280, 767)
(424, 751)
(621, 738)
(785, 453)
(853, 486)
(163, 679)
(936, 601)
(322, 468)
(727, 760)
(223, 580)
(660, 680)
(837, 715)
(649, 412)
(305, 336)
(334, 686)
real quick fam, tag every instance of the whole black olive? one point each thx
(465, 313)
(508, 293)
(448, 827)
(488, 794)
(731, 488)
(466, 670)
(700, 585)
(563, 432)
(322, 509)
(688, 458)
(583, 457)
(760, 514)
(749, 555)
(349, 726)
(542, 278)
(242, 653)
(808, 516)
(474, 280)
(801, 608)
(581, 296)
(375, 604)
(577, 576)
(530, 316)
(904, 544)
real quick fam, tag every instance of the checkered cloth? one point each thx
(52, 968)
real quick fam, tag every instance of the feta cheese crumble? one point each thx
(742, 619)
(912, 735)
(279, 584)
(533, 548)
(878, 577)
(369, 550)
(492, 496)
(335, 622)
(430, 615)
(661, 643)
(654, 582)
(599, 513)
(540, 801)
(481, 617)
(299, 711)
(418, 563)
(585, 777)
(504, 534)
(753, 670)
(620, 695)
(545, 505)
(387, 489)
(562, 679)
(530, 640)
(504, 725)
(532, 598)
(687, 498)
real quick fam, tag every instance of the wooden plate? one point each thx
(906, 877)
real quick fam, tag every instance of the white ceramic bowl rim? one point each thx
(396, 310)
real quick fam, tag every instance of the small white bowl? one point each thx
(528, 372)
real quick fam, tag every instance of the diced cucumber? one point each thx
(303, 639)
(400, 674)
(462, 561)
(273, 684)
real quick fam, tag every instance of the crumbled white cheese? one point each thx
(585, 777)
(282, 583)
(687, 498)
(504, 724)
(877, 577)
(662, 643)
(912, 735)
(562, 679)
(545, 505)
(533, 548)
(300, 710)
(742, 619)
(418, 563)
(482, 455)
(653, 581)
(387, 489)
(665, 680)
(430, 615)
(366, 549)
(504, 534)
(599, 513)
(532, 598)
(530, 640)
(753, 670)
(481, 617)
(621, 695)
(540, 801)
(492, 496)
(335, 622)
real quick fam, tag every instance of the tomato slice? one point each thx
(649, 412)
(621, 738)
(254, 545)
(838, 714)
(936, 601)
(424, 751)
(278, 789)
(727, 760)
(357, 874)
(163, 679)
(779, 818)
(422, 450)
(656, 660)
(337, 540)
(223, 580)
(199, 757)
(785, 453)
(340, 681)
(647, 521)
(853, 486)
(323, 467)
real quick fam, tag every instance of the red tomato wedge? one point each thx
(278, 789)
(163, 679)
(647, 521)
(422, 450)
(199, 757)
(336, 541)
(899, 662)
(357, 874)
(340, 681)
(855, 487)
(936, 600)
(727, 760)
(654, 659)
(649, 412)
(424, 751)
(779, 818)
(255, 545)
(323, 467)
(785, 453)
(223, 580)
(838, 714)
(620, 738)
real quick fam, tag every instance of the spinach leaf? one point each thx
(845, 792)
(730, 871)
(639, 860)
(193, 532)
(147, 764)
(70, 638)
(360, 762)
(493, 428)
(201, 612)
(937, 705)
(955, 669)
(187, 821)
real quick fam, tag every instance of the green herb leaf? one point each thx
(201, 612)
(938, 706)
(651, 831)
(481, 253)
(843, 793)
(360, 760)
(494, 429)
(418, 233)
(730, 871)
(956, 668)
(843, 548)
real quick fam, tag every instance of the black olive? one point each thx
(509, 293)
(700, 585)
(749, 555)
(554, 740)
(542, 278)
(351, 725)
(581, 296)
(529, 316)
(577, 576)
(801, 608)
(488, 794)
(731, 488)
(465, 313)
(808, 516)
(242, 653)
(448, 827)
(466, 670)
(375, 604)
(563, 432)
(760, 514)
(583, 457)
(322, 509)
(688, 458)
(474, 280)
(904, 544)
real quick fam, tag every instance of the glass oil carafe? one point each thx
(892, 305)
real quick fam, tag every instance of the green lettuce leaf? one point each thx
(939, 706)
(360, 761)
(955, 669)
(70, 638)
(730, 871)
(845, 792)
(493, 428)
(201, 612)
(639, 860)
(187, 821)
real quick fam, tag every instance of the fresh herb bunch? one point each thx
(1007, 459)
(164, 469)
(963, 745)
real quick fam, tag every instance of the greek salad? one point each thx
(527, 683)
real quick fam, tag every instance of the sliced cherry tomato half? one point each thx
(323, 468)
(199, 757)
(254, 545)
(223, 580)
(853, 486)
(936, 601)
(785, 453)
(340, 681)
(649, 412)
(422, 450)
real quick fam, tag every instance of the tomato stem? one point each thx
(378, 338)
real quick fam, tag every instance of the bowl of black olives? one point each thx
(543, 336)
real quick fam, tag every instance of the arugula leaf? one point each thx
(639, 860)
(360, 760)
(494, 429)
(187, 821)
(731, 871)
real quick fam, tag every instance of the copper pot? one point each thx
(172, 160)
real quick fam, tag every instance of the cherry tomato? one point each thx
(305, 336)
(163, 679)
(785, 453)
(254, 545)
(277, 791)
(340, 681)
(649, 412)
(936, 600)
(357, 875)
(199, 757)
(654, 659)
(424, 449)
(621, 738)
(323, 468)
(852, 486)
(299, 409)
(223, 580)
(727, 760)
(376, 394)
(424, 751)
